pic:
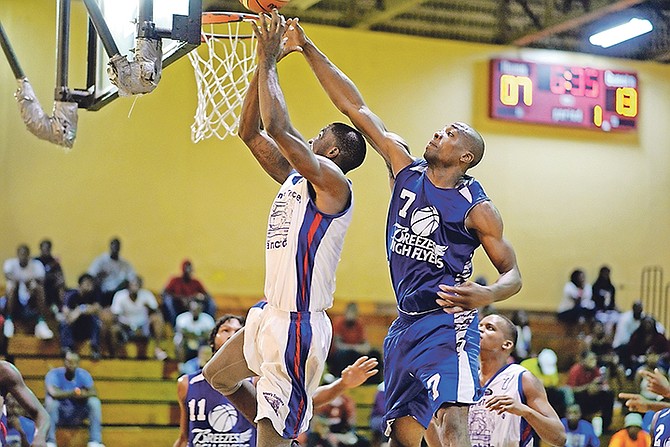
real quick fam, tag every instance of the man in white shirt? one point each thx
(111, 272)
(191, 330)
(138, 319)
(25, 293)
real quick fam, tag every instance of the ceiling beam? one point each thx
(575, 20)
(391, 9)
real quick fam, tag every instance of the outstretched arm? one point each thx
(353, 376)
(346, 97)
(182, 390)
(537, 412)
(485, 221)
(331, 186)
(10, 379)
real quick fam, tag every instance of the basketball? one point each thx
(425, 220)
(222, 418)
(260, 6)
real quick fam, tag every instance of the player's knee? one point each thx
(216, 377)
(452, 423)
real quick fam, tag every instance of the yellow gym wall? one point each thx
(568, 198)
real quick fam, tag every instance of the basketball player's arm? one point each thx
(332, 188)
(484, 220)
(640, 404)
(182, 389)
(347, 98)
(11, 380)
(353, 376)
(537, 412)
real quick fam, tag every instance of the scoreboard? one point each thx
(563, 95)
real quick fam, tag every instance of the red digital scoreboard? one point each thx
(564, 95)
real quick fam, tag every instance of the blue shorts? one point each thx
(431, 360)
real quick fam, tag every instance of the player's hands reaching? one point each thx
(657, 382)
(505, 404)
(636, 402)
(469, 295)
(270, 35)
(358, 372)
(296, 38)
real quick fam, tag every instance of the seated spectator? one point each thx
(591, 389)
(579, 432)
(600, 342)
(632, 434)
(111, 272)
(25, 293)
(81, 319)
(349, 341)
(628, 322)
(182, 289)
(138, 319)
(71, 398)
(54, 278)
(522, 348)
(603, 297)
(645, 339)
(377, 417)
(577, 305)
(192, 329)
(544, 367)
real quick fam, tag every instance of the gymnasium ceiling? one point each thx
(549, 24)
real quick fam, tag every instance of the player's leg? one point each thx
(451, 426)
(268, 437)
(431, 437)
(226, 372)
(406, 432)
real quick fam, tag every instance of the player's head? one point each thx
(224, 328)
(497, 333)
(455, 144)
(341, 143)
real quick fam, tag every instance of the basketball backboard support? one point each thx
(178, 22)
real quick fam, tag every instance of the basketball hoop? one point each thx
(222, 72)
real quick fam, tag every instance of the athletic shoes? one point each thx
(160, 354)
(95, 444)
(42, 331)
(51, 444)
(8, 329)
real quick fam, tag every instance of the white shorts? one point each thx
(288, 351)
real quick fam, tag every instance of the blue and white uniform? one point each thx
(212, 420)
(431, 357)
(287, 343)
(490, 429)
(660, 430)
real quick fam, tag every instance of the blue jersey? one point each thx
(427, 243)
(212, 420)
(582, 436)
(660, 429)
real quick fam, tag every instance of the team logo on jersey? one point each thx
(208, 438)
(424, 221)
(406, 242)
(279, 222)
(274, 401)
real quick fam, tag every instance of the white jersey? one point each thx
(302, 249)
(489, 429)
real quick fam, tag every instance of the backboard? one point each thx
(177, 21)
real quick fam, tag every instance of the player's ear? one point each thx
(467, 158)
(507, 344)
(333, 152)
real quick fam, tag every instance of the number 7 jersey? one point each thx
(427, 243)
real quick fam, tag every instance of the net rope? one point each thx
(222, 76)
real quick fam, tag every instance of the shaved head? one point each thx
(474, 142)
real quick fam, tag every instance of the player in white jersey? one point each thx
(515, 405)
(286, 343)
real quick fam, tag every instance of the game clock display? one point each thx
(564, 95)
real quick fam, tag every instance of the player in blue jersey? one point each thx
(438, 216)
(11, 382)
(207, 418)
(287, 343)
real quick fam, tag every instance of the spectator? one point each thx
(632, 434)
(522, 349)
(603, 297)
(182, 289)
(81, 319)
(650, 365)
(25, 293)
(544, 367)
(138, 319)
(111, 272)
(628, 322)
(192, 329)
(579, 432)
(349, 341)
(645, 339)
(591, 389)
(577, 305)
(377, 418)
(54, 278)
(71, 398)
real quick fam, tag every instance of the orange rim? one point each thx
(219, 17)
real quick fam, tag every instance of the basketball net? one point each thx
(223, 67)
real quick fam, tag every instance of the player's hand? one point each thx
(505, 404)
(270, 35)
(657, 382)
(469, 295)
(358, 372)
(296, 38)
(636, 402)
